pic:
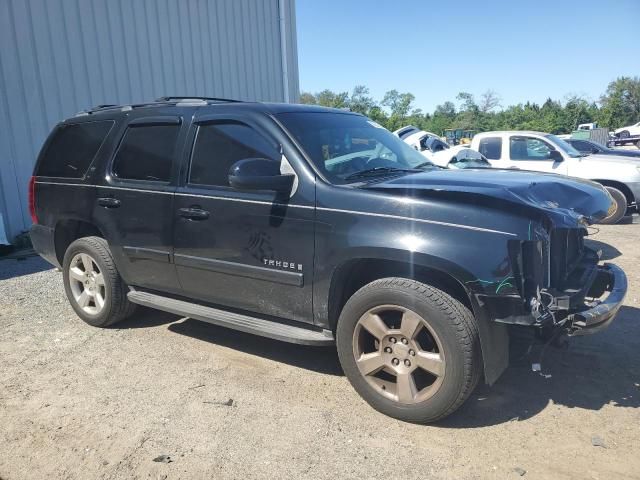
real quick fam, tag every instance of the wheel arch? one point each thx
(354, 274)
(620, 186)
(67, 231)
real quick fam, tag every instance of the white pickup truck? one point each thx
(547, 153)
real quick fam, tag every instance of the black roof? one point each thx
(219, 104)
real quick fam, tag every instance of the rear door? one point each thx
(250, 250)
(533, 153)
(134, 204)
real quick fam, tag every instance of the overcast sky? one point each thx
(524, 50)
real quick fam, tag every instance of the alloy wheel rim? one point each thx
(398, 354)
(87, 284)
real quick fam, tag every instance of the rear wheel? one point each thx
(92, 283)
(620, 207)
(410, 350)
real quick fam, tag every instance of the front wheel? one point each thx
(624, 134)
(409, 349)
(620, 207)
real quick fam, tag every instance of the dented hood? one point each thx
(566, 199)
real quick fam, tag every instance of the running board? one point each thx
(236, 321)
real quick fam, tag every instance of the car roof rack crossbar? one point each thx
(209, 99)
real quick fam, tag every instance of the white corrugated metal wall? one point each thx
(61, 56)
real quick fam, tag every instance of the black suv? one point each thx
(308, 224)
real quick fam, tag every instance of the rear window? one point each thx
(146, 153)
(73, 148)
(491, 147)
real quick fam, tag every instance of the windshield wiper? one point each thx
(372, 172)
(429, 164)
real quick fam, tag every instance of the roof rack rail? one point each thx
(156, 102)
(212, 99)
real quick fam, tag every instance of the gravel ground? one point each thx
(78, 402)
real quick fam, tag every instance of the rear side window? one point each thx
(491, 147)
(582, 146)
(73, 148)
(220, 145)
(146, 153)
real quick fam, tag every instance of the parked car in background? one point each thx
(589, 147)
(544, 152)
(439, 152)
(629, 131)
(313, 226)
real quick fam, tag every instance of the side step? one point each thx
(236, 321)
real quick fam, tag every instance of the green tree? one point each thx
(620, 103)
(361, 101)
(619, 106)
(308, 98)
(399, 105)
(328, 98)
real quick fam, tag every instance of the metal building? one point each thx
(58, 57)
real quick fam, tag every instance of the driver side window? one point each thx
(527, 148)
(219, 145)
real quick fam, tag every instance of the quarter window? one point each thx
(526, 148)
(491, 147)
(583, 147)
(146, 153)
(221, 144)
(73, 148)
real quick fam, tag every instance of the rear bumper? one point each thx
(43, 241)
(597, 315)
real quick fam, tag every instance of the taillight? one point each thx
(32, 200)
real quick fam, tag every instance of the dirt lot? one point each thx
(78, 402)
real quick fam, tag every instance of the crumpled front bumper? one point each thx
(599, 314)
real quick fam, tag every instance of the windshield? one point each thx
(342, 146)
(564, 146)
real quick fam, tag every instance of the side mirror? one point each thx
(556, 156)
(259, 174)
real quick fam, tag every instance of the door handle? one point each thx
(193, 213)
(514, 168)
(109, 202)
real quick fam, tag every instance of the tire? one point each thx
(451, 337)
(621, 207)
(624, 134)
(638, 144)
(89, 275)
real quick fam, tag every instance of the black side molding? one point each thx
(236, 321)
(138, 253)
(241, 270)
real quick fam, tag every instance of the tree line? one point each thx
(618, 106)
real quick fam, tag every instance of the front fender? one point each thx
(486, 270)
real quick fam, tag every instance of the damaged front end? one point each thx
(561, 285)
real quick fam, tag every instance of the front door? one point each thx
(134, 204)
(249, 250)
(531, 153)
